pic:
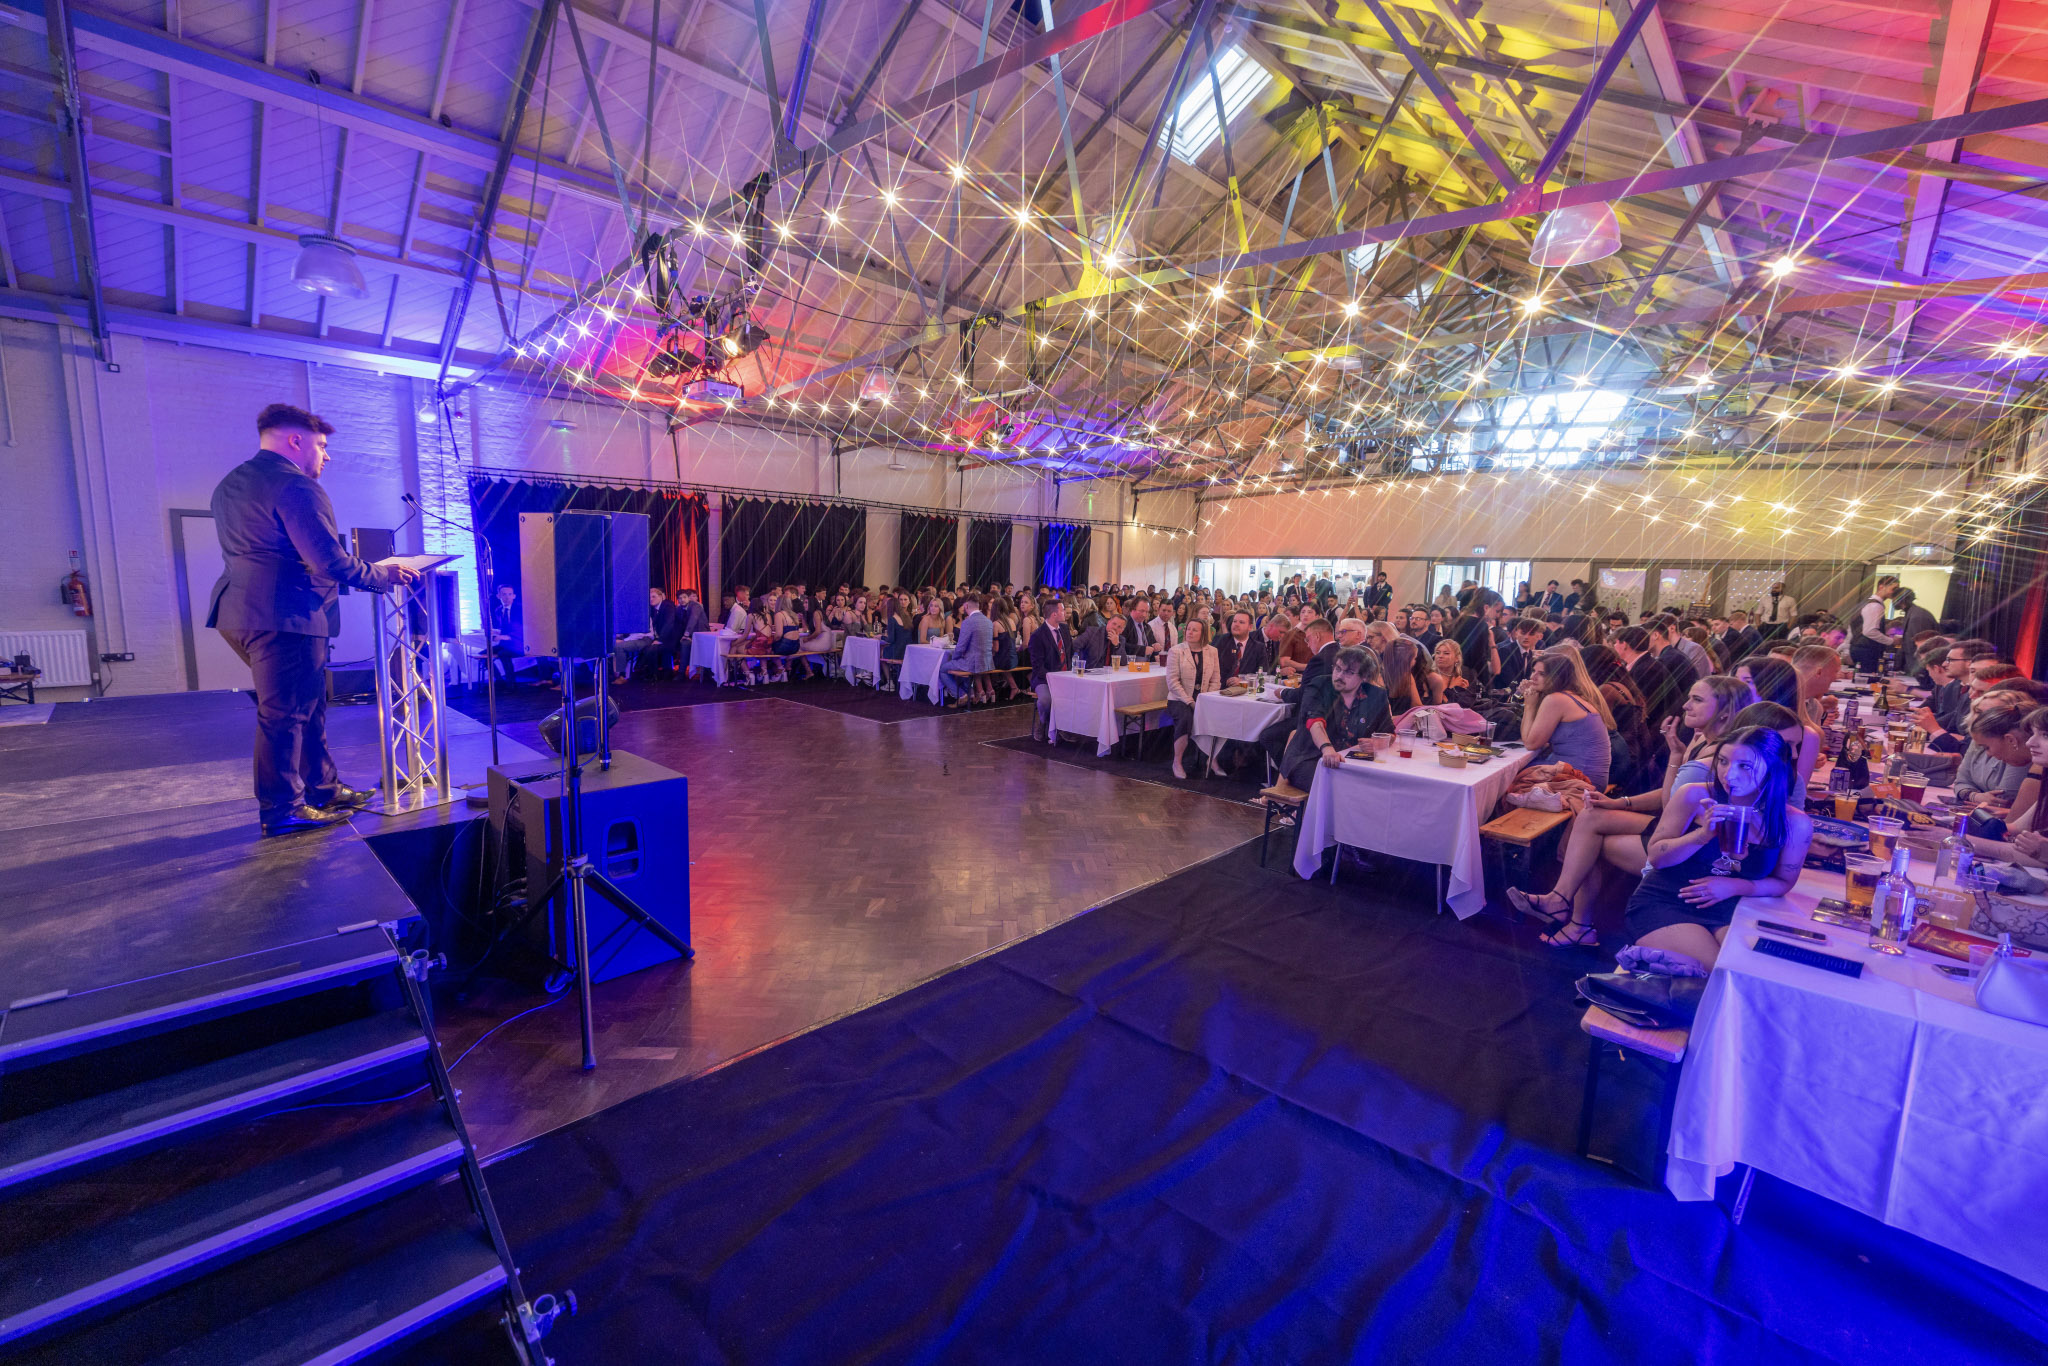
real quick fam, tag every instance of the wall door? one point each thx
(209, 663)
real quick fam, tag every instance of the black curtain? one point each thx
(2000, 587)
(1062, 555)
(766, 542)
(988, 552)
(926, 551)
(676, 523)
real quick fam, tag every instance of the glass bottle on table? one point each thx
(1894, 904)
(1954, 857)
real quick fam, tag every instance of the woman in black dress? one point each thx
(1699, 869)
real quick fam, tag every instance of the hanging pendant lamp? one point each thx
(327, 266)
(1574, 235)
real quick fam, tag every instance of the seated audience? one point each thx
(1337, 711)
(1242, 652)
(1192, 668)
(1776, 681)
(1615, 830)
(1451, 685)
(2026, 828)
(1564, 718)
(1695, 873)
(972, 653)
(1996, 762)
(1052, 651)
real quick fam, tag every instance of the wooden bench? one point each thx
(771, 656)
(1282, 799)
(1141, 713)
(1521, 829)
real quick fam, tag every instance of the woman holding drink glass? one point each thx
(1733, 836)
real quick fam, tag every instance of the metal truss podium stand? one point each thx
(411, 691)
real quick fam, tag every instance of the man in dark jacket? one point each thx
(1051, 650)
(1652, 679)
(278, 604)
(1100, 641)
(1242, 650)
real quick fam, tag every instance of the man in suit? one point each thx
(1138, 639)
(504, 631)
(1378, 596)
(661, 622)
(278, 604)
(1518, 656)
(689, 620)
(1664, 694)
(1051, 649)
(1677, 661)
(1242, 652)
(1552, 600)
(1099, 641)
(973, 652)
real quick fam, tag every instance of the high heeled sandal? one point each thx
(1572, 935)
(1525, 904)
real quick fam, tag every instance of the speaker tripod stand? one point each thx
(578, 877)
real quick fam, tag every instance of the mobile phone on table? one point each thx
(1811, 936)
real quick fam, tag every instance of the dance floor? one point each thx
(1230, 1117)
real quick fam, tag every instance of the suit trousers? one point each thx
(1041, 724)
(292, 762)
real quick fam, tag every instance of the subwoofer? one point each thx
(583, 579)
(636, 831)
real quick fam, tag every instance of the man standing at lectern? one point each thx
(277, 605)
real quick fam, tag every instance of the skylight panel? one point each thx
(1194, 125)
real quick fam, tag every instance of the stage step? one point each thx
(190, 1233)
(44, 1144)
(42, 1032)
(354, 1314)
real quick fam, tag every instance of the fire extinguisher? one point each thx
(72, 591)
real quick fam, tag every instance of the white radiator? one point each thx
(61, 655)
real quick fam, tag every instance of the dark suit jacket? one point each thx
(1051, 651)
(690, 619)
(666, 625)
(1096, 644)
(1659, 689)
(1253, 657)
(285, 561)
(1683, 673)
(1316, 674)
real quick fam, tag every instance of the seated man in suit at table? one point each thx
(1051, 651)
(973, 652)
(1099, 641)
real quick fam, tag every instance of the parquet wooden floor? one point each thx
(836, 862)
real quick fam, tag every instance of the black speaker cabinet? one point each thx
(583, 580)
(636, 830)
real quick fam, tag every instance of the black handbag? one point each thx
(1647, 1000)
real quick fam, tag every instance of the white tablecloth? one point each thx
(1219, 718)
(921, 665)
(1415, 808)
(1890, 1093)
(863, 653)
(1085, 704)
(708, 650)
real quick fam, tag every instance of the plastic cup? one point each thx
(1913, 789)
(1383, 741)
(1884, 831)
(1405, 747)
(1951, 907)
(1845, 806)
(1859, 884)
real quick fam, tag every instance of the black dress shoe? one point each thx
(347, 798)
(304, 818)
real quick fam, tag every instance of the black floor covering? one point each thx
(1151, 762)
(1233, 1117)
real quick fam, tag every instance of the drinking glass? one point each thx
(1949, 906)
(1883, 831)
(1731, 826)
(1861, 873)
(1914, 787)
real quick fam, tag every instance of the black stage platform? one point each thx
(129, 845)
